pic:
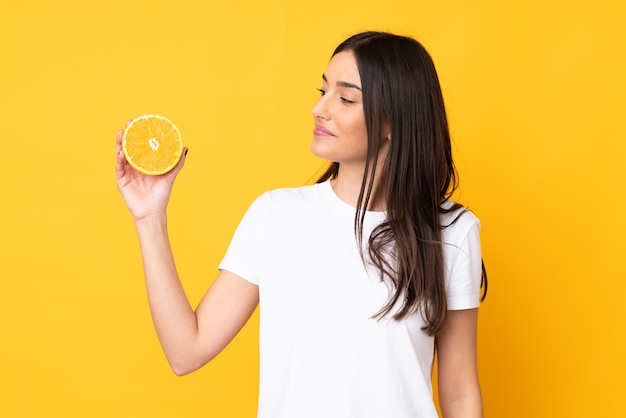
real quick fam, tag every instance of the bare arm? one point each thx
(189, 339)
(459, 389)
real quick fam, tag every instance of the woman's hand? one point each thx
(144, 195)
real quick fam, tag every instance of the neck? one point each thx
(347, 187)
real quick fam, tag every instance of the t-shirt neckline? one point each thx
(329, 192)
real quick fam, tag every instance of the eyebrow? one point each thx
(343, 83)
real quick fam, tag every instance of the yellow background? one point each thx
(535, 93)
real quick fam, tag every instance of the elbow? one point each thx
(181, 372)
(186, 359)
(182, 368)
(185, 366)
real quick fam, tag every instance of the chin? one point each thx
(320, 151)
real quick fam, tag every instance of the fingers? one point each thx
(120, 135)
(181, 162)
(118, 140)
(119, 166)
(119, 155)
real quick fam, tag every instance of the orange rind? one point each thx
(152, 144)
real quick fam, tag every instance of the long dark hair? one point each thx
(401, 89)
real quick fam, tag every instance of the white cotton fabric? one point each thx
(322, 354)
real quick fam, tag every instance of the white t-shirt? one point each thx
(322, 354)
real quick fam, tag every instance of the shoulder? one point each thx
(293, 193)
(460, 235)
(457, 224)
(289, 198)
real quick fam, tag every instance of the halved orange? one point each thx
(152, 144)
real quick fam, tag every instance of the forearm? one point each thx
(459, 387)
(174, 319)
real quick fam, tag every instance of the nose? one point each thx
(320, 110)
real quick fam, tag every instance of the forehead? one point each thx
(343, 68)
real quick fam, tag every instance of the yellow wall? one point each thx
(535, 92)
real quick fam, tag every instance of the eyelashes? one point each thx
(343, 99)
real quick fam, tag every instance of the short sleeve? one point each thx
(464, 265)
(243, 255)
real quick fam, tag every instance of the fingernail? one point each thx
(186, 151)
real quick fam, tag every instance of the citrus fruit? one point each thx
(152, 144)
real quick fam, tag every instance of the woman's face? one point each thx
(340, 134)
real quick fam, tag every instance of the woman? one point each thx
(360, 277)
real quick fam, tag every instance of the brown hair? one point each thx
(401, 88)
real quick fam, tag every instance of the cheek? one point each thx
(358, 130)
(352, 123)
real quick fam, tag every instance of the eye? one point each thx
(322, 91)
(346, 101)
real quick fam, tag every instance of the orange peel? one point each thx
(152, 144)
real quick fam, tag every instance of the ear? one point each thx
(386, 131)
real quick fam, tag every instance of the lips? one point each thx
(321, 131)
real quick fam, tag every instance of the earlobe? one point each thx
(386, 131)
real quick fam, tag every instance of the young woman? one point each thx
(361, 277)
